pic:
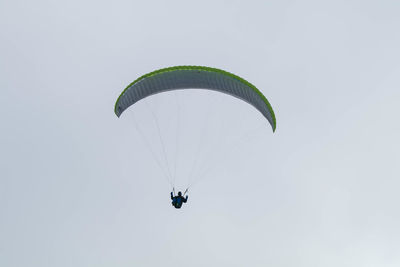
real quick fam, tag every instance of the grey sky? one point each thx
(79, 188)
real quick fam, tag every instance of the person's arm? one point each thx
(185, 199)
(172, 196)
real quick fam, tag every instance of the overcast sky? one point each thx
(80, 187)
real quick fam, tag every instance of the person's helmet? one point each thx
(179, 193)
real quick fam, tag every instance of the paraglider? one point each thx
(178, 200)
(193, 77)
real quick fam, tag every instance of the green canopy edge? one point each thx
(203, 68)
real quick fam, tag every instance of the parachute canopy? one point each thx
(194, 77)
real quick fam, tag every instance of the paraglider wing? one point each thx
(197, 77)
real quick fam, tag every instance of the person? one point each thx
(178, 200)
